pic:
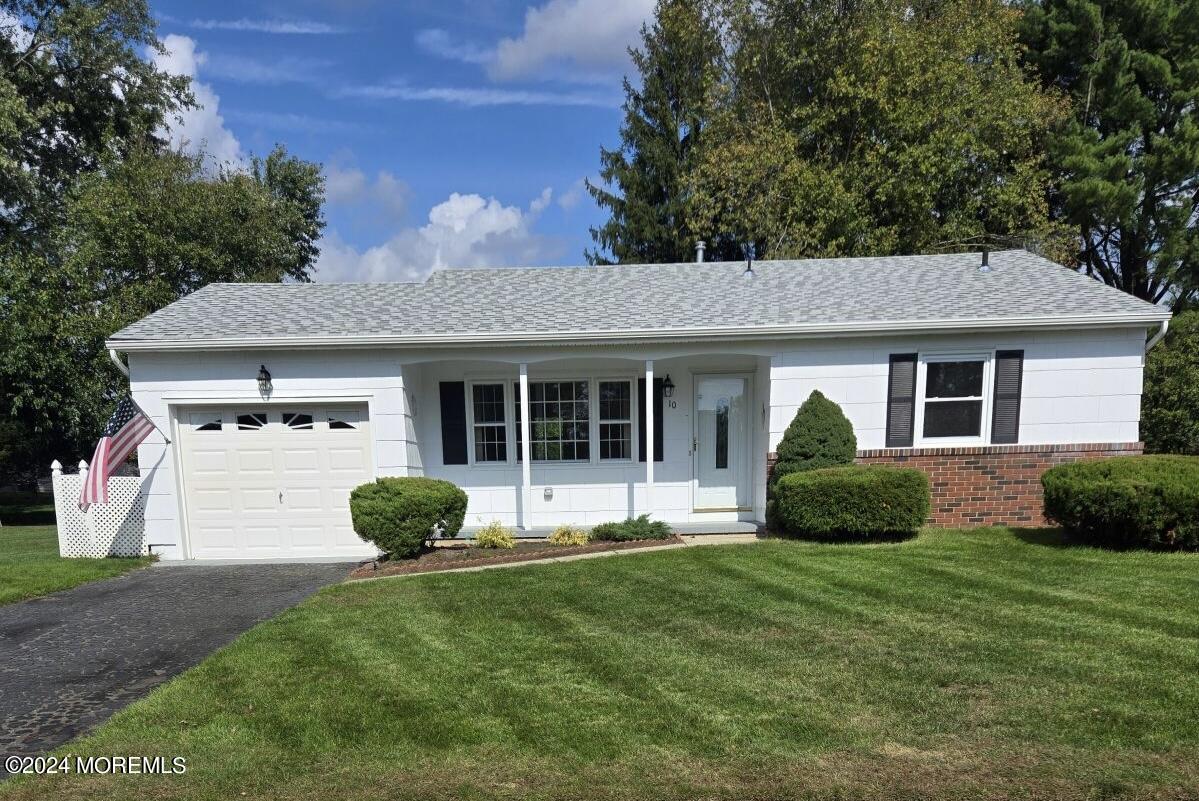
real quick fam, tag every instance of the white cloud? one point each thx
(266, 26)
(437, 42)
(271, 73)
(463, 231)
(350, 186)
(571, 197)
(474, 97)
(203, 127)
(589, 36)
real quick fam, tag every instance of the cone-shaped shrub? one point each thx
(819, 436)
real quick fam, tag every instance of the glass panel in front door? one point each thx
(721, 466)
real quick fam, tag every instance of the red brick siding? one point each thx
(992, 485)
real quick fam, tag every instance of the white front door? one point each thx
(274, 482)
(721, 442)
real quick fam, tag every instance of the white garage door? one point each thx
(274, 483)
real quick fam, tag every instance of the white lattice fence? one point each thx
(115, 528)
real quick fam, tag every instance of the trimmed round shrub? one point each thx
(635, 528)
(569, 535)
(851, 503)
(495, 535)
(1127, 501)
(399, 515)
(819, 436)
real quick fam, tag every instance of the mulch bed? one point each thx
(452, 557)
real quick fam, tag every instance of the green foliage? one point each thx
(819, 436)
(1128, 501)
(133, 238)
(495, 535)
(1127, 160)
(845, 129)
(634, 528)
(569, 535)
(399, 515)
(1170, 405)
(75, 92)
(665, 114)
(851, 503)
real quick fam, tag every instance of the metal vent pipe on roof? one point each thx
(985, 267)
(699, 252)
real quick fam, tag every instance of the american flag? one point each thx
(127, 427)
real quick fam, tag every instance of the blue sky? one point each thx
(453, 132)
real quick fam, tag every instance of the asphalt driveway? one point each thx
(70, 660)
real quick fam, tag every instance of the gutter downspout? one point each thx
(1156, 338)
(112, 354)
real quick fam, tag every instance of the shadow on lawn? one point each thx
(1049, 538)
(26, 509)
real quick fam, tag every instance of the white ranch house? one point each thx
(639, 388)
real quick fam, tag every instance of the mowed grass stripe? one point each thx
(956, 665)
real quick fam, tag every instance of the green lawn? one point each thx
(985, 664)
(30, 564)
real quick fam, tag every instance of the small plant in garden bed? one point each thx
(495, 535)
(569, 535)
(635, 528)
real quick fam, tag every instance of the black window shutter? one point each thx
(901, 400)
(657, 419)
(1005, 420)
(453, 422)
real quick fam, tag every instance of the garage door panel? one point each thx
(347, 460)
(307, 537)
(258, 486)
(210, 501)
(210, 462)
(305, 499)
(306, 461)
(263, 537)
(259, 499)
(260, 461)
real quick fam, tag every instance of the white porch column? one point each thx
(649, 435)
(526, 462)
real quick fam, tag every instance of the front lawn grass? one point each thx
(958, 665)
(30, 564)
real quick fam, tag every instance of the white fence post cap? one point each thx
(56, 467)
(82, 464)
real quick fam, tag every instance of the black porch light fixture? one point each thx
(264, 380)
(667, 387)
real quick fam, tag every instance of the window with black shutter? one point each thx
(1005, 417)
(901, 400)
(453, 422)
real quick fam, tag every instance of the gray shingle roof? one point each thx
(521, 303)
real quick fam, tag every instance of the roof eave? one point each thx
(520, 338)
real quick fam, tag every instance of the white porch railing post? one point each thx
(526, 464)
(648, 434)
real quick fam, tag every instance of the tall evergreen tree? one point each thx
(1127, 162)
(665, 115)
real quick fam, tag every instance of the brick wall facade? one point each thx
(991, 485)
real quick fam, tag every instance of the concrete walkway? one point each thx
(70, 660)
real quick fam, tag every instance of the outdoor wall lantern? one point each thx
(264, 380)
(667, 387)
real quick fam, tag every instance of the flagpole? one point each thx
(148, 417)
